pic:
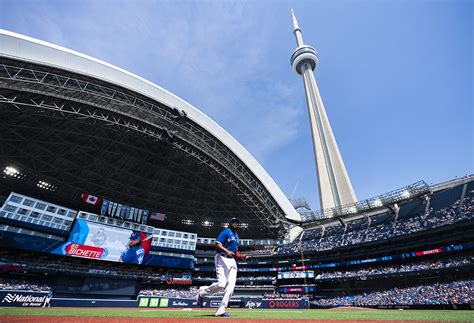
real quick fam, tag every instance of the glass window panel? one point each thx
(40, 205)
(28, 202)
(51, 209)
(10, 208)
(16, 199)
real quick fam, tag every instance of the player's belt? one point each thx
(223, 254)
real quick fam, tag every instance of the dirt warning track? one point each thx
(76, 319)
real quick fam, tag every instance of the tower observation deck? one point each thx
(335, 188)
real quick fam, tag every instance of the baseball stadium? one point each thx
(114, 194)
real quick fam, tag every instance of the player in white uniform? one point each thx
(227, 245)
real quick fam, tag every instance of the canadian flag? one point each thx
(91, 199)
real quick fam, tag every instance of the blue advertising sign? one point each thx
(24, 298)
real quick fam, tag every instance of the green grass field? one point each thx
(346, 314)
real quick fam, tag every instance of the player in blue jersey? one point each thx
(227, 250)
(135, 252)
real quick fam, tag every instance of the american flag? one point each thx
(157, 216)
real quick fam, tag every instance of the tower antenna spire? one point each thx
(295, 22)
(335, 188)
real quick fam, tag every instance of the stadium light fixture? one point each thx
(46, 186)
(352, 209)
(377, 203)
(187, 221)
(406, 194)
(208, 224)
(11, 171)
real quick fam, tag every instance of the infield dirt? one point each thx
(72, 319)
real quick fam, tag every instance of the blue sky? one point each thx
(396, 77)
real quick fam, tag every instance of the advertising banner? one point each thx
(297, 290)
(166, 302)
(35, 243)
(246, 302)
(279, 303)
(24, 298)
(295, 274)
(98, 241)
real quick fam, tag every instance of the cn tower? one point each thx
(335, 188)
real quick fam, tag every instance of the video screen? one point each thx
(295, 274)
(98, 241)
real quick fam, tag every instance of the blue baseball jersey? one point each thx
(133, 255)
(229, 240)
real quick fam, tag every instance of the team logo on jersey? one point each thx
(233, 237)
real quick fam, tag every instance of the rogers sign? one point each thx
(284, 304)
(171, 281)
(79, 250)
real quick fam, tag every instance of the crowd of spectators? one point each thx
(460, 292)
(191, 291)
(185, 292)
(255, 287)
(20, 284)
(53, 264)
(242, 278)
(257, 278)
(257, 251)
(337, 235)
(267, 251)
(403, 268)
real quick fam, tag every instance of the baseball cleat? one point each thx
(224, 315)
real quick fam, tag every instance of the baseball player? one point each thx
(48, 299)
(135, 252)
(227, 244)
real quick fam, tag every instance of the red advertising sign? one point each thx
(171, 281)
(428, 252)
(80, 250)
(284, 304)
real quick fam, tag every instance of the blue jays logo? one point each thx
(233, 237)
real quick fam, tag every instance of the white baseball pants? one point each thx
(226, 271)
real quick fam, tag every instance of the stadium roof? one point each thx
(85, 126)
